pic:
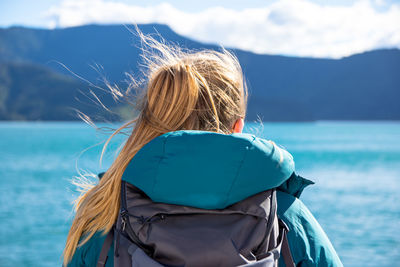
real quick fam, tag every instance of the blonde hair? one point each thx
(186, 90)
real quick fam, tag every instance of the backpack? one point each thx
(152, 234)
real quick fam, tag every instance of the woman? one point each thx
(185, 147)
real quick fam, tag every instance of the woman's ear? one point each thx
(238, 126)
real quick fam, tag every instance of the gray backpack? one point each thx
(151, 234)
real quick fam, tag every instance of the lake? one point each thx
(356, 198)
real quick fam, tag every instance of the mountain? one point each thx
(360, 87)
(33, 92)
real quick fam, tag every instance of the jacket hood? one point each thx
(206, 169)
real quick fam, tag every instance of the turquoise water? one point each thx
(356, 199)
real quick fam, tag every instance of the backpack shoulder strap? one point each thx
(101, 262)
(270, 223)
(272, 213)
(285, 249)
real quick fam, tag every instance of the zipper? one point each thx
(123, 224)
(126, 227)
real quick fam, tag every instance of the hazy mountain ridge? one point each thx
(33, 92)
(363, 86)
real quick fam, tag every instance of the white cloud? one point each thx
(290, 27)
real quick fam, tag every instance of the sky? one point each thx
(306, 28)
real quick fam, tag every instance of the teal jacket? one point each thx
(212, 171)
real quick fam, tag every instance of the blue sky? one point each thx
(314, 28)
(28, 12)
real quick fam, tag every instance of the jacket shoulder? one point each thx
(87, 254)
(308, 242)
